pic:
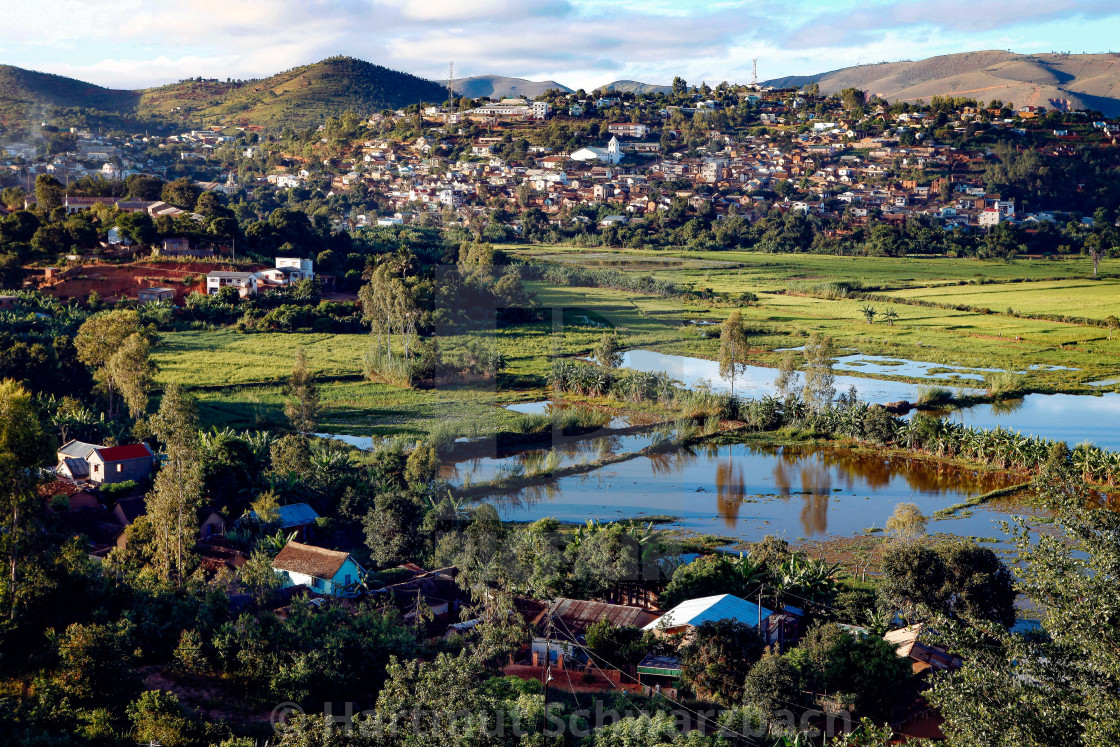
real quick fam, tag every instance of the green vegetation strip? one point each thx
(949, 511)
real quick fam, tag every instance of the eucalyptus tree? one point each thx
(23, 446)
(732, 347)
(819, 388)
(177, 491)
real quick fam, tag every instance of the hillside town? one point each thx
(696, 417)
(629, 167)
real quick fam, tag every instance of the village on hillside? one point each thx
(613, 169)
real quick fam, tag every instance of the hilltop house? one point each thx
(320, 570)
(159, 293)
(294, 517)
(104, 464)
(560, 628)
(628, 129)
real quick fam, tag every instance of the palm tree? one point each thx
(869, 312)
(890, 316)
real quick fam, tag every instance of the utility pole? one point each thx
(450, 92)
(547, 677)
(760, 607)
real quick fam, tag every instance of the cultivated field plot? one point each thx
(227, 357)
(737, 271)
(364, 408)
(1077, 298)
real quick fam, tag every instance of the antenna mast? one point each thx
(754, 71)
(450, 77)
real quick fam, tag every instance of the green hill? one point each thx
(26, 95)
(298, 97)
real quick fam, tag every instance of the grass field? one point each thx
(957, 338)
(1083, 298)
(737, 271)
(239, 377)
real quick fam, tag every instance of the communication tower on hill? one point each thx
(754, 71)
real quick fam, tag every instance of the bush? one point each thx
(934, 396)
(1003, 384)
(118, 489)
(718, 657)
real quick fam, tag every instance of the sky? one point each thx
(579, 43)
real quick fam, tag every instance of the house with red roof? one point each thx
(105, 464)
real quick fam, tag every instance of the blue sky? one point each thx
(581, 43)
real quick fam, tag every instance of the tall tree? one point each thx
(24, 445)
(819, 386)
(302, 406)
(100, 338)
(732, 347)
(178, 486)
(131, 370)
(49, 193)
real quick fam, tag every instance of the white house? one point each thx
(628, 129)
(611, 154)
(244, 282)
(289, 271)
(989, 217)
(319, 569)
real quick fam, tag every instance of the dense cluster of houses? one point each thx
(839, 168)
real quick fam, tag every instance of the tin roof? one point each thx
(695, 612)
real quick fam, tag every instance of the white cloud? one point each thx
(577, 42)
(479, 10)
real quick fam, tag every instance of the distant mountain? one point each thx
(298, 97)
(1076, 81)
(26, 94)
(633, 86)
(500, 87)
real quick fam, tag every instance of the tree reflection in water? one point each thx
(817, 476)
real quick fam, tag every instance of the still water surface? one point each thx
(1068, 417)
(749, 492)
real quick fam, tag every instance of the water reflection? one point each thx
(731, 489)
(748, 491)
(1007, 406)
(758, 381)
(1073, 418)
(563, 454)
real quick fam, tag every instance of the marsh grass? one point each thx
(1003, 384)
(933, 396)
